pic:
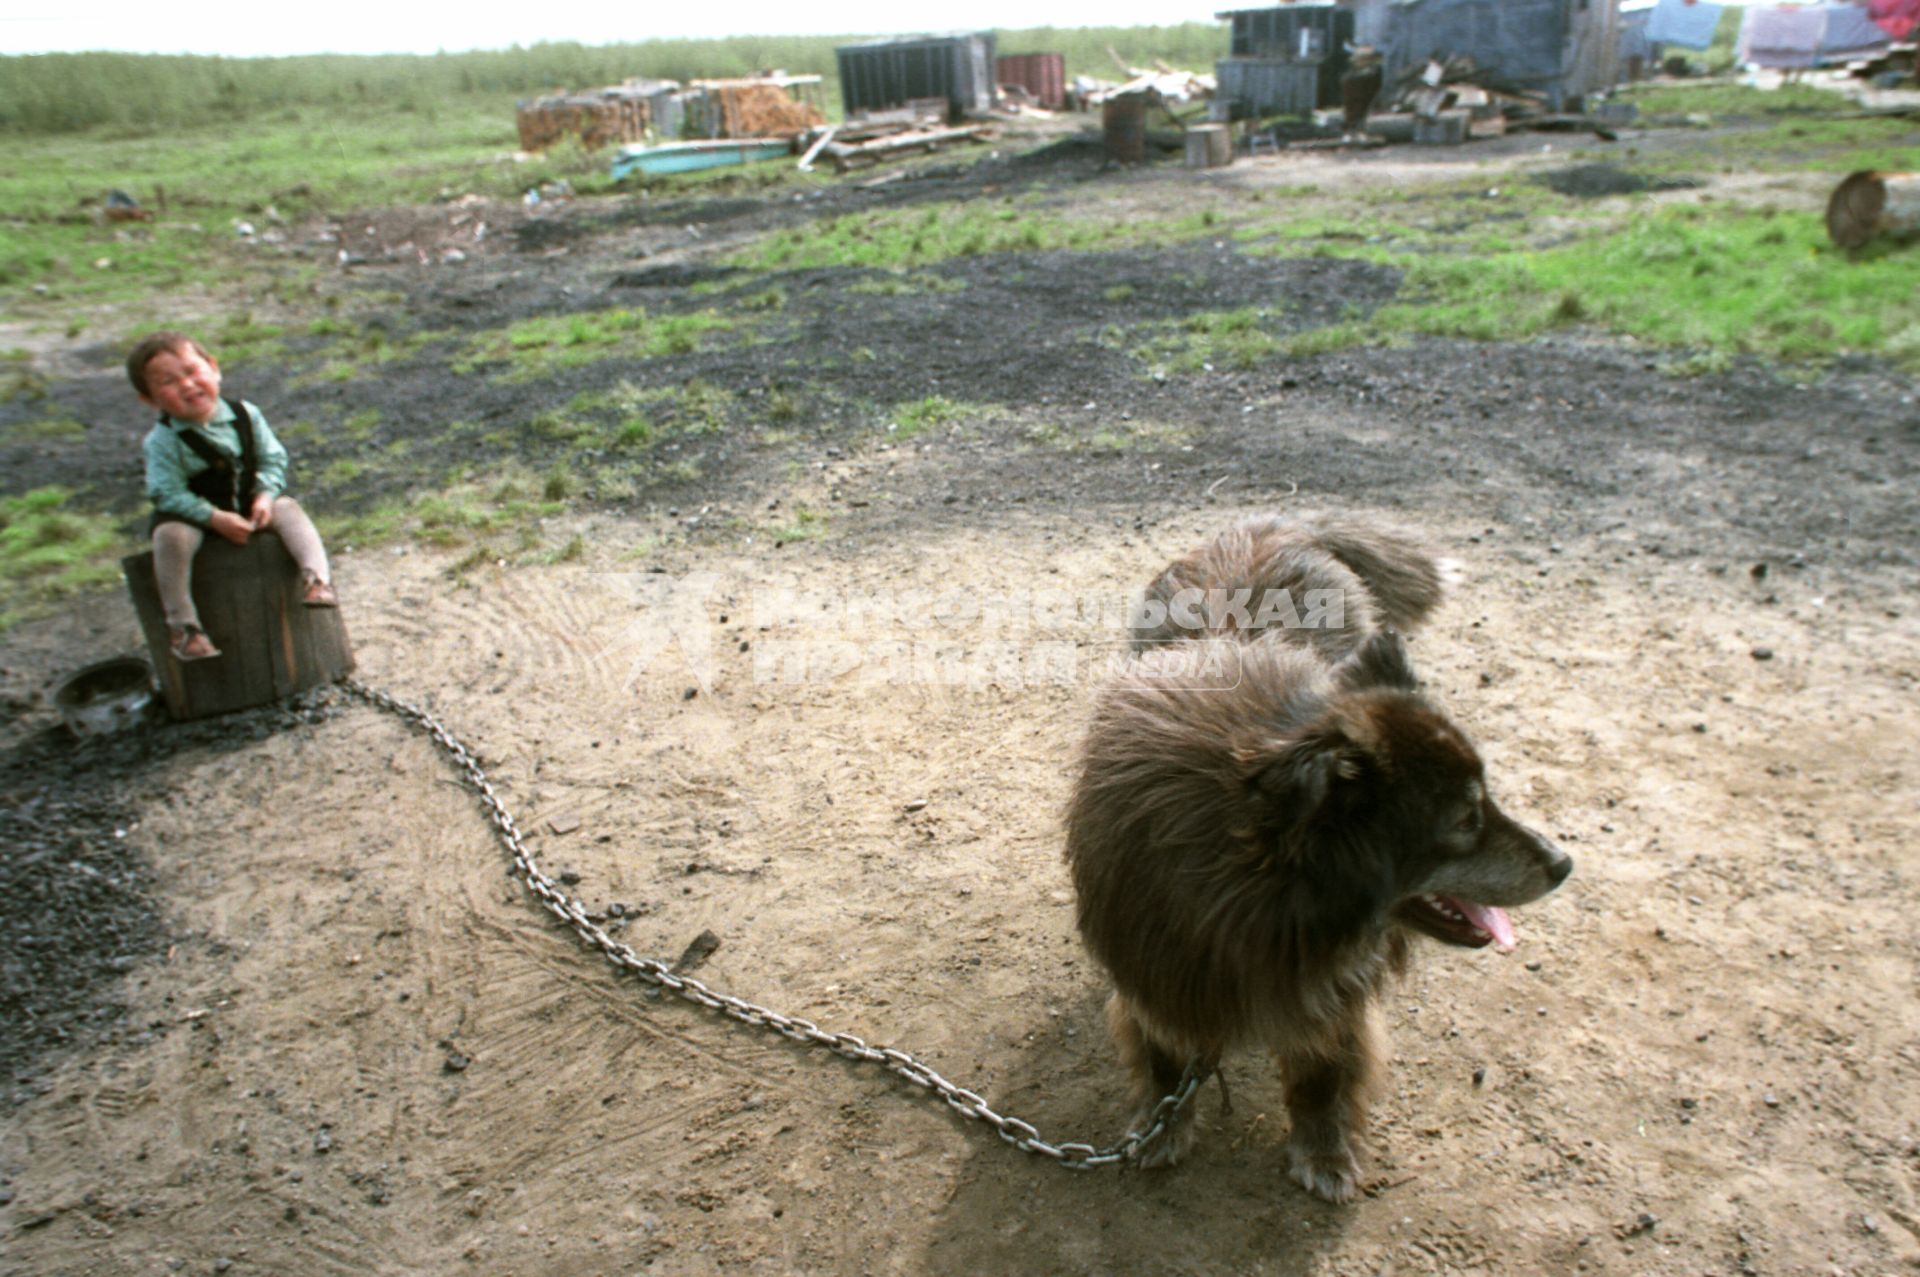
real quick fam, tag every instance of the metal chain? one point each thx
(573, 912)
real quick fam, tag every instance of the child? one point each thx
(212, 465)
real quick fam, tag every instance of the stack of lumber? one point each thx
(609, 116)
(749, 109)
(885, 135)
(758, 106)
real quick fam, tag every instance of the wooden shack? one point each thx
(1285, 59)
(1284, 55)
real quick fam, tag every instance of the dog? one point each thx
(1265, 816)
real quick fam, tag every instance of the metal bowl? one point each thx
(106, 697)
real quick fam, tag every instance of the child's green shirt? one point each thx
(170, 463)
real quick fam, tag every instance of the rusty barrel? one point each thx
(1869, 205)
(1123, 121)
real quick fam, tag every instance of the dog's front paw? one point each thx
(1329, 1174)
(1169, 1146)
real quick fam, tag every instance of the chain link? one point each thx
(573, 912)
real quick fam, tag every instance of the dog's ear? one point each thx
(1315, 774)
(1382, 661)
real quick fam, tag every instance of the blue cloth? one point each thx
(1851, 34)
(1688, 25)
(1790, 38)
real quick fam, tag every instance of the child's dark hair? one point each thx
(163, 342)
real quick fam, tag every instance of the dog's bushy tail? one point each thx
(1404, 577)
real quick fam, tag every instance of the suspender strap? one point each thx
(220, 466)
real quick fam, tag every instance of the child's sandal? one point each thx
(190, 643)
(317, 593)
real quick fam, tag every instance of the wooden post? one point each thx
(271, 645)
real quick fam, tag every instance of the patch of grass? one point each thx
(20, 378)
(1729, 100)
(907, 240)
(1714, 278)
(342, 472)
(537, 347)
(1707, 277)
(43, 430)
(1206, 341)
(49, 549)
(635, 432)
(478, 509)
(910, 419)
(199, 177)
(905, 283)
(803, 524)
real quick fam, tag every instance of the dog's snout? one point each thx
(1558, 864)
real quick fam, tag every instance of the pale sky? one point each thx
(249, 28)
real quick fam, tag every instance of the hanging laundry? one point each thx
(1805, 36)
(1895, 17)
(1687, 23)
(1851, 34)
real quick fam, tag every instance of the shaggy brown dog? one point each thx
(1262, 819)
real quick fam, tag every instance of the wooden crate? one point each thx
(271, 646)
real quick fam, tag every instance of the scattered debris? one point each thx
(122, 207)
(860, 143)
(698, 950)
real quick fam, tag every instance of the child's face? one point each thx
(184, 384)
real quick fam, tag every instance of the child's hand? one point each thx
(262, 511)
(231, 526)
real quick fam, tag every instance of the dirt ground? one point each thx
(346, 1041)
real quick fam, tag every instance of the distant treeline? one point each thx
(64, 92)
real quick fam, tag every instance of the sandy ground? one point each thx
(365, 1050)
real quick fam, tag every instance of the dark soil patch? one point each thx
(1592, 181)
(78, 902)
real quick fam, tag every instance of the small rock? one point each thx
(1762, 653)
(323, 1140)
(918, 804)
(455, 1063)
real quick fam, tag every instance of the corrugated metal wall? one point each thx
(1042, 74)
(1276, 33)
(1262, 86)
(1286, 60)
(881, 74)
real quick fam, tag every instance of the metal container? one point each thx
(1044, 75)
(106, 697)
(1123, 122)
(1869, 205)
(878, 75)
(1209, 146)
(1264, 86)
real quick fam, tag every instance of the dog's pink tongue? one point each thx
(1491, 919)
